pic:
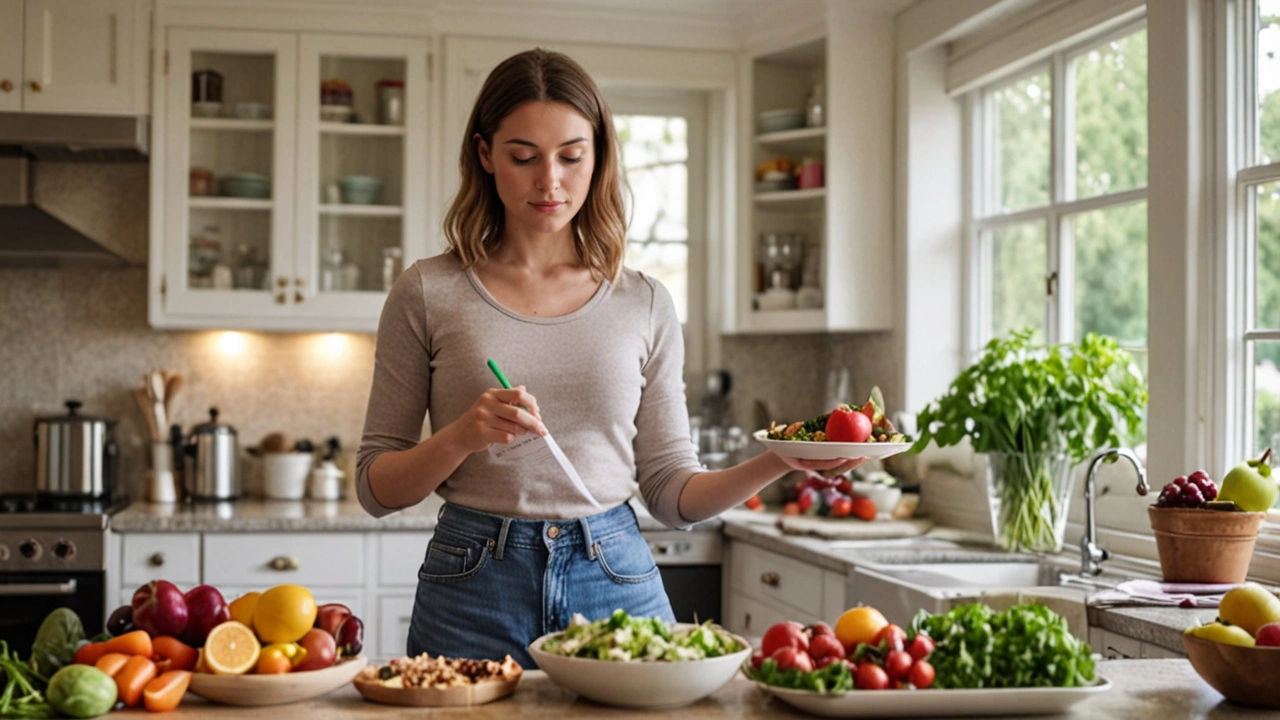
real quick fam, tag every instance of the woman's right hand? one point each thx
(499, 416)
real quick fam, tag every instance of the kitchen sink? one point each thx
(982, 575)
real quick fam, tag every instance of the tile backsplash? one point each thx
(82, 333)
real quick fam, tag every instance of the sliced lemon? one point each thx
(231, 649)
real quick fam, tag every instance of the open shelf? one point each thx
(232, 124)
(790, 196)
(229, 203)
(337, 128)
(362, 210)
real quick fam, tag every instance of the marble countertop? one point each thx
(1142, 690)
(258, 515)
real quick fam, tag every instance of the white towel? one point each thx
(1150, 592)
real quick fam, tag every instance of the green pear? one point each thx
(1250, 485)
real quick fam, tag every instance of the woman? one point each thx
(533, 279)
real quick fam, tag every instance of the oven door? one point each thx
(27, 598)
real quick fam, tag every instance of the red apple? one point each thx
(350, 636)
(160, 609)
(206, 608)
(321, 648)
(330, 615)
(1269, 635)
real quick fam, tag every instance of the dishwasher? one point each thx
(689, 563)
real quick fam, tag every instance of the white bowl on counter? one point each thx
(885, 497)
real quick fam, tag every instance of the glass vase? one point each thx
(1028, 495)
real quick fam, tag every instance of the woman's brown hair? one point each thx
(474, 223)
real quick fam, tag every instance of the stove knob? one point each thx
(30, 549)
(4, 553)
(64, 549)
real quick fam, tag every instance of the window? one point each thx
(664, 155)
(1058, 156)
(1256, 225)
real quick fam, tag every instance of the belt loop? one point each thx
(586, 538)
(440, 513)
(502, 538)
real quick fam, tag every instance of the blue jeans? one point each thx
(490, 584)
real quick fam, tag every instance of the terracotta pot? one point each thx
(1204, 546)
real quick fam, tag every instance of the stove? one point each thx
(53, 553)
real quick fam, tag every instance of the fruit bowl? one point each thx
(644, 684)
(1245, 675)
(255, 690)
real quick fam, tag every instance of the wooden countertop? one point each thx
(1154, 689)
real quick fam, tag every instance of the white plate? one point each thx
(640, 683)
(936, 703)
(829, 450)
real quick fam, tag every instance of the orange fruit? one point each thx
(231, 649)
(284, 614)
(859, 625)
(242, 608)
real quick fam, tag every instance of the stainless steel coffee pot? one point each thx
(75, 455)
(212, 468)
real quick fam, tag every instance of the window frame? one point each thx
(699, 328)
(982, 178)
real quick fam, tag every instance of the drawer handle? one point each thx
(283, 562)
(746, 621)
(770, 578)
(6, 86)
(156, 559)
(36, 86)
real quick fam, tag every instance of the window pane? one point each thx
(1111, 273)
(1268, 81)
(1018, 265)
(1267, 254)
(655, 152)
(1111, 117)
(1022, 128)
(1266, 397)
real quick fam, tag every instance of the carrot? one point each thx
(133, 678)
(111, 663)
(165, 692)
(137, 642)
(89, 654)
(173, 654)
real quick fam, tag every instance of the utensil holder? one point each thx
(162, 488)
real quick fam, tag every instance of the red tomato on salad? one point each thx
(845, 425)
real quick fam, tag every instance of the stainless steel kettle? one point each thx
(75, 455)
(212, 468)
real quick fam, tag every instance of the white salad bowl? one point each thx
(648, 684)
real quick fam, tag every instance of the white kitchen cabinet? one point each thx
(159, 556)
(845, 227)
(394, 613)
(328, 560)
(11, 55)
(764, 587)
(280, 239)
(84, 56)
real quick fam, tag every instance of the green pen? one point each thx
(501, 378)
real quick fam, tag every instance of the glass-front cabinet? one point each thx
(294, 177)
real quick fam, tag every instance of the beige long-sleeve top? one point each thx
(608, 378)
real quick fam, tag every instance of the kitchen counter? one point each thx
(259, 515)
(1154, 689)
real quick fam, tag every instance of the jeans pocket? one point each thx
(626, 559)
(453, 558)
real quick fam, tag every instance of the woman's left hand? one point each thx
(827, 468)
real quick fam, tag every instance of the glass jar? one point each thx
(391, 102)
(815, 109)
(392, 266)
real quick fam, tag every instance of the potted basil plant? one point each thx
(1036, 412)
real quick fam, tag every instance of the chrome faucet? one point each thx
(1091, 556)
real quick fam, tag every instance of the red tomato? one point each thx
(791, 508)
(921, 646)
(893, 635)
(824, 646)
(863, 508)
(871, 677)
(844, 425)
(754, 502)
(792, 658)
(784, 635)
(898, 664)
(825, 661)
(756, 660)
(810, 501)
(819, 628)
(842, 506)
(921, 674)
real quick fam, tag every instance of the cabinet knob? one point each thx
(156, 559)
(280, 299)
(282, 281)
(746, 622)
(283, 563)
(770, 578)
(299, 282)
(36, 86)
(298, 297)
(6, 86)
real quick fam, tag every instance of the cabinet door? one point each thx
(229, 138)
(361, 171)
(10, 55)
(80, 56)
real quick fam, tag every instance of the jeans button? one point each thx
(553, 532)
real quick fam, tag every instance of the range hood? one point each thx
(30, 236)
(79, 138)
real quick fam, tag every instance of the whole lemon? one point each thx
(1225, 634)
(1249, 606)
(284, 614)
